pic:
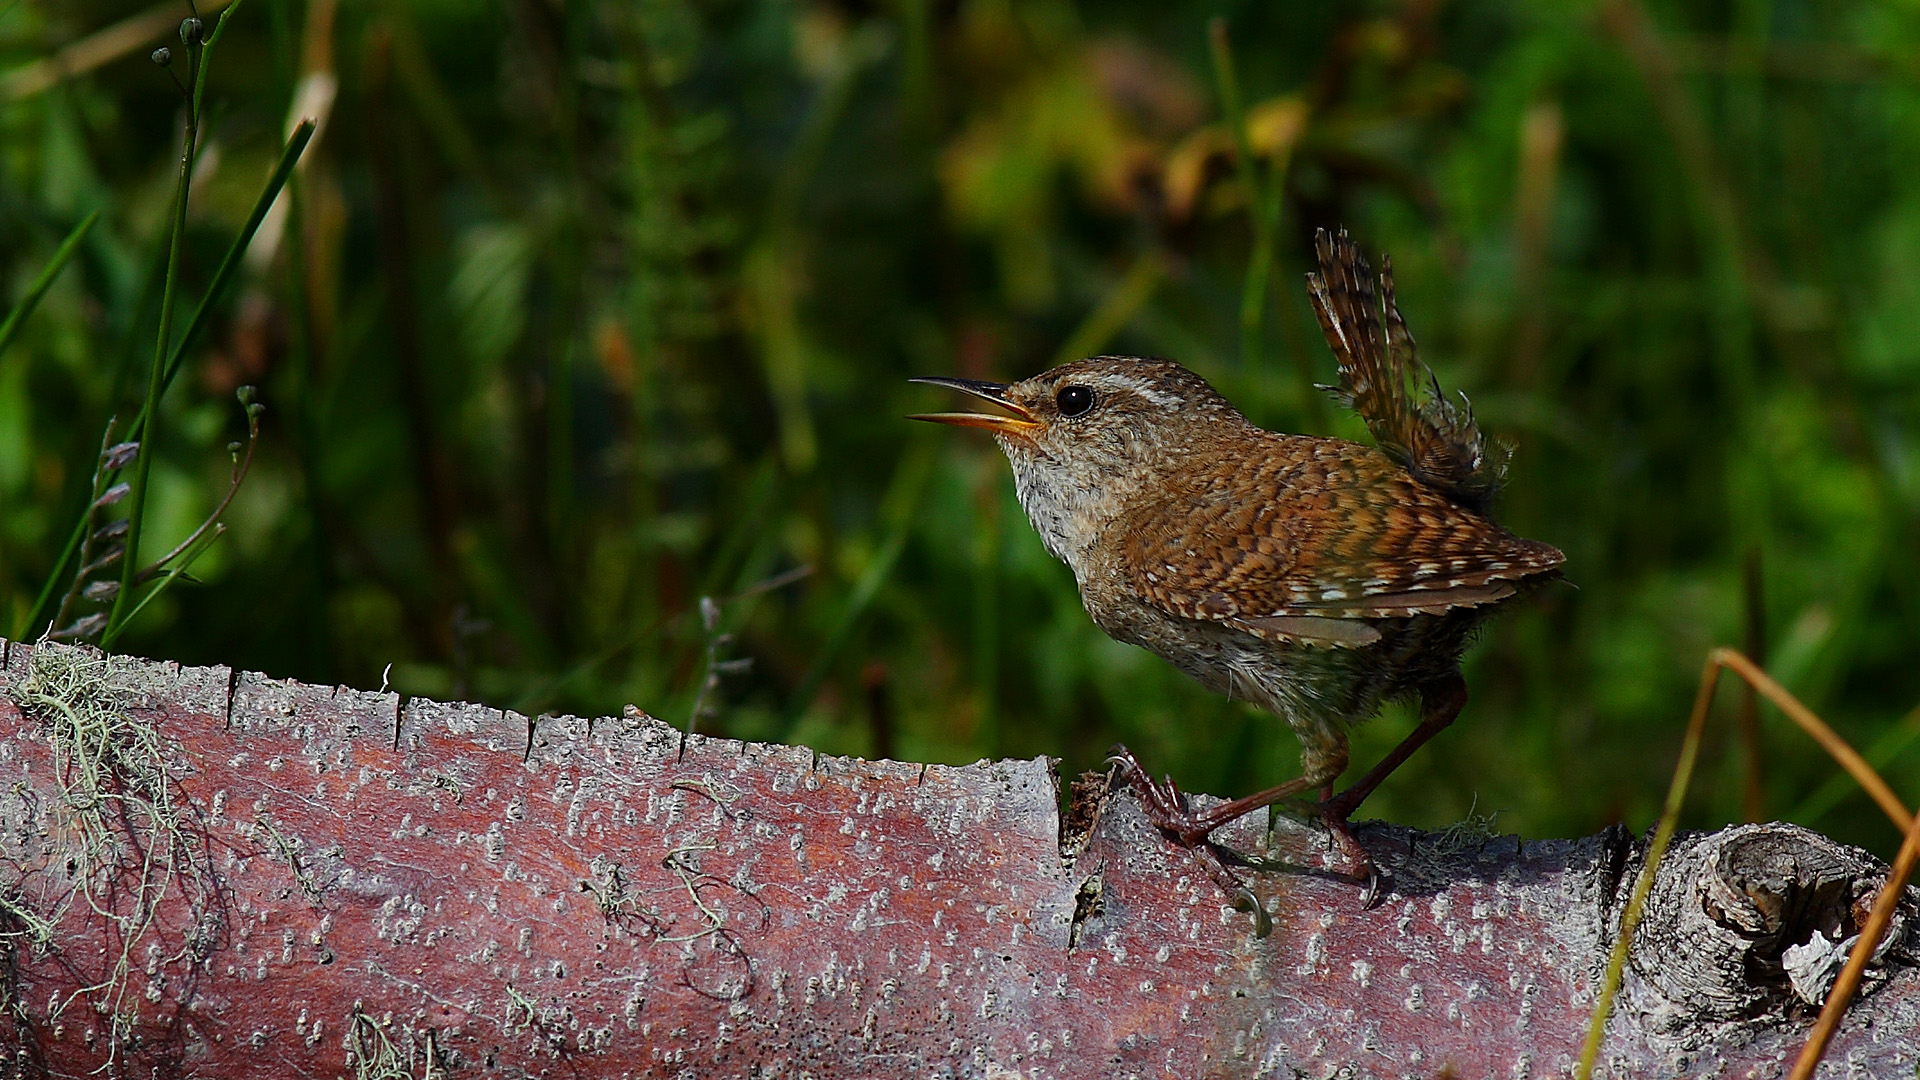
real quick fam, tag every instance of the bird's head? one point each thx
(1085, 437)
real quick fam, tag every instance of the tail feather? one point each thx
(1437, 441)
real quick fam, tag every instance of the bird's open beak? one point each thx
(1019, 423)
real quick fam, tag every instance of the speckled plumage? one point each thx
(1312, 576)
(1316, 577)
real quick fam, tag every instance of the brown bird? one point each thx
(1316, 577)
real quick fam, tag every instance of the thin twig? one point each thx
(1831, 742)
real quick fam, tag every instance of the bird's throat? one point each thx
(1069, 508)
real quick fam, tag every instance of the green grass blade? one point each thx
(143, 463)
(216, 291)
(289, 157)
(18, 316)
(143, 428)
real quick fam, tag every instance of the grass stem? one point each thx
(123, 603)
(143, 429)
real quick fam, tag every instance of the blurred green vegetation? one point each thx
(582, 310)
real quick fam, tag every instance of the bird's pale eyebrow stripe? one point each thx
(1143, 387)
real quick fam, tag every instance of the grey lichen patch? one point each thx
(446, 781)
(701, 916)
(723, 793)
(522, 1011)
(640, 738)
(121, 830)
(287, 849)
(548, 1024)
(619, 904)
(373, 1055)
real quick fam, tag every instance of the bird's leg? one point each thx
(1169, 812)
(1440, 703)
(1324, 759)
(1166, 808)
(1196, 827)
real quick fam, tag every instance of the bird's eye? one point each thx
(1074, 401)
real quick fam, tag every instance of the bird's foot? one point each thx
(1167, 809)
(1360, 866)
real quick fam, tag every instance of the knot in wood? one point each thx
(1753, 921)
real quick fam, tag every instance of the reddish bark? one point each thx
(615, 900)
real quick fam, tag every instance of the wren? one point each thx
(1316, 577)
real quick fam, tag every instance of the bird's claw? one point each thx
(1161, 799)
(1246, 901)
(1375, 889)
(1374, 885)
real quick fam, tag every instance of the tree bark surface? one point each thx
(341, 883)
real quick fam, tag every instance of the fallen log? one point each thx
(212, 873)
